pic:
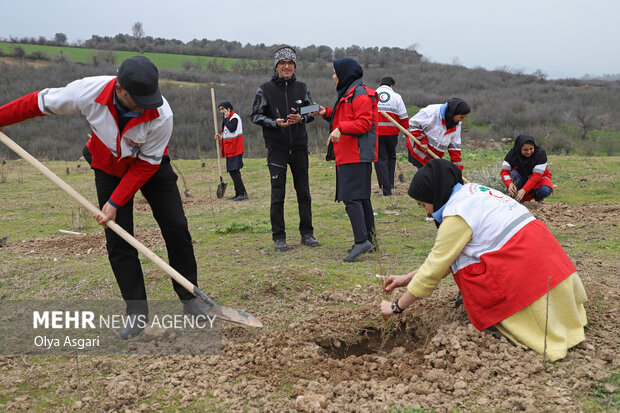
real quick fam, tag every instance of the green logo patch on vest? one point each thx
(384, 97)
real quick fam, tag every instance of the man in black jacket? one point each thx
(276, 110)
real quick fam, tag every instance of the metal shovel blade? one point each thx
(239, 317)
(221, 188)
(229, 314)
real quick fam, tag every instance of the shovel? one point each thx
(186, 191)
(221, 188)
(227, 314)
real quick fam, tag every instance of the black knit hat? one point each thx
(285, 53)
(140, 78)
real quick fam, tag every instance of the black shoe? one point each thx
(370, 250)
(280, 245)
(309, 240)
(241, 197)
(357, 250)
(134, 325)
(196, 307)
(232, 198)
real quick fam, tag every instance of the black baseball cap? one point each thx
(139, 77)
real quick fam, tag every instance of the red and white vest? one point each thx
(232, 142)
(511, 259)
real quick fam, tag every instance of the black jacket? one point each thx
(274, 99)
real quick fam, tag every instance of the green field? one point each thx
(81, 55)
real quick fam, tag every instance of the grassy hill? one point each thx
(82, 55)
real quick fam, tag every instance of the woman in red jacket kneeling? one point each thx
(525, 172)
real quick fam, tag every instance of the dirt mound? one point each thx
(564, 216)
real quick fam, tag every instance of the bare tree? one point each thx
(588, 115)
(138, 33)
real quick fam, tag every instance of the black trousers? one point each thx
(237, 181)
(362, 220)
(162, 193)
(386, 162)
(277, 162)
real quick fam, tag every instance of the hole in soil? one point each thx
(372, 341)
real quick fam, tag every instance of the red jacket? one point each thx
(357, 117)
(535, 181)
(134, 155)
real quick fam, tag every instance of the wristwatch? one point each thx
(396, 308)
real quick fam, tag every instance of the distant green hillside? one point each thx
(78, 54)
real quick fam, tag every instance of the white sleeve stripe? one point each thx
(540, 168)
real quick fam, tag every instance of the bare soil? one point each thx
(334, 360)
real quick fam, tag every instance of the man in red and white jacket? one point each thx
(391, 103)
(131, 125)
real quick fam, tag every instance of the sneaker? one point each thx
(429, 218)
(309, 240)
(280, 245)
(241, 197)
(134, 325)
(357, 250)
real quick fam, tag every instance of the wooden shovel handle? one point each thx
(217, 143)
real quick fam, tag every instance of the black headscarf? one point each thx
(348, 71)
(456, 106)
(434, 182)
(525, 165)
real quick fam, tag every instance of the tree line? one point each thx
(140, 43)
(566, 116)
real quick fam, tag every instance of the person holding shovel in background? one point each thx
(438, 128)
(391, 103)
(131, 125)
(276, 109)
(485, 238)
(524, 171)
(352, 143)
(231, 144)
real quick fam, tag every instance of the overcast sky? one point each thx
(563, 38)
